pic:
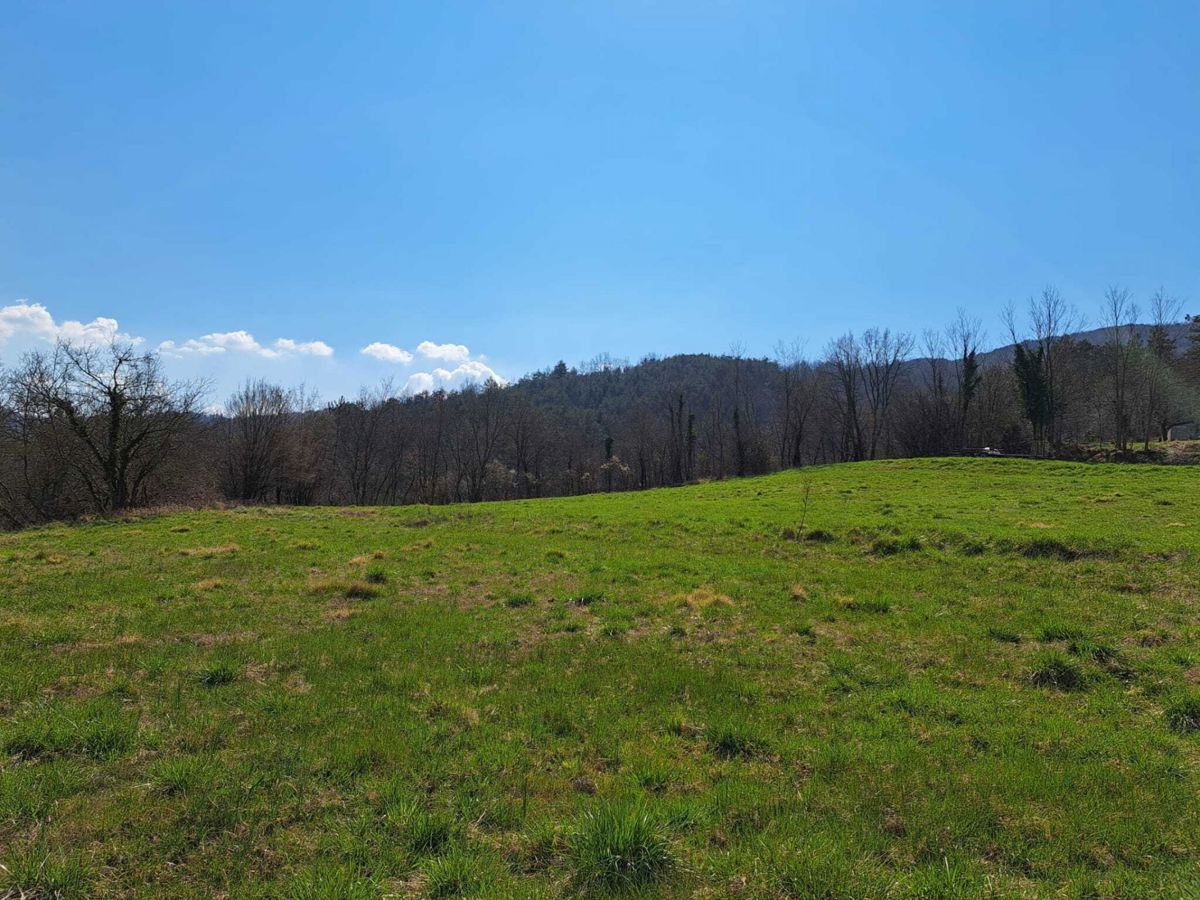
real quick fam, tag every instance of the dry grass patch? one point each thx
(338, 614)
(210, 552)
(355, 589)
(704, 597)
(221, 638)
(208, 584)
(799, 592)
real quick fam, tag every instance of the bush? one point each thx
(619, 846)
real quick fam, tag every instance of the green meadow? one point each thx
(941, 678)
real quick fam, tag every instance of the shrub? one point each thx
(1054, 670)
(619, 846)
(1183, 715)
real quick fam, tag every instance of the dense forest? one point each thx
(95, 430)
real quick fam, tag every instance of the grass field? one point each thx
(943, 679)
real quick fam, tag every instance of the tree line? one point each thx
(92, 430)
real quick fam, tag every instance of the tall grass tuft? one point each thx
(1183, 716)
(1054, 670)
(619, 846)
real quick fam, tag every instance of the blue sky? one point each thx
(510, 184)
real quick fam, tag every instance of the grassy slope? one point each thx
(856, 714)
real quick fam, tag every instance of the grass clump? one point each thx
(36, 873)
(333, 883)
(515, 601)
(376, 575)
(1057, 632)
(734, 740)
(218, 673)
(1094, 650)
(456, 874)
(423, 831)
(1183, 716)
(98, 730)
(1003, 635)
(1057, 671)
(619, 846)
(180, 775)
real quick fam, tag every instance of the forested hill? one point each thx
(99, 430)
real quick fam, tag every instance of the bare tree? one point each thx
(1120, 315)
(796, 399)
(964, 337)
(255, 428)
(843, 358)
(112, 416)
(882, 357)
(1159, 407)
(1041, 363)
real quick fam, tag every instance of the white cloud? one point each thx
(473, 371)
(244, 342)
(445, 352)
(460, 369)
(388, 353)
(24, 322)
(305, 348)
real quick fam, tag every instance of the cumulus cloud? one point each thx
(460, 366)
(388, 353)
(244, 342)
(451, 353)
(304, 348)
(26, 323)
(473, 371)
